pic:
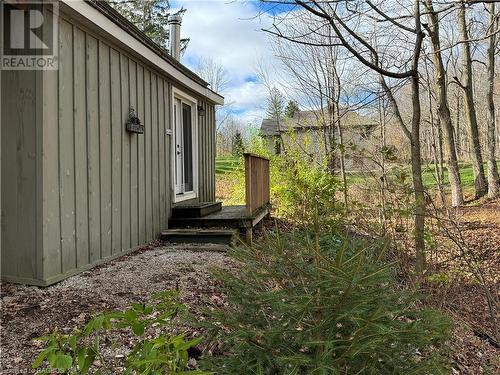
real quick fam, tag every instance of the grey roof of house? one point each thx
(301, 119)
(308, 120)
(269, 127)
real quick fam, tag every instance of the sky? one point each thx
(229, 32)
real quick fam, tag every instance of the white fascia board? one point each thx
(103, 22)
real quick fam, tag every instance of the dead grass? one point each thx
(473, 269)
(28, 312)
(463, 259)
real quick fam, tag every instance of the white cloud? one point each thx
(246, 95)
(229, 33)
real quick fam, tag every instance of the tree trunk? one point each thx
(336, 104)
(470, 109)
(418, 186)
(331, 141)
(341, 155)
(383, 180)
(493, 179)
(415, 150)
(457, 197)
(416, 162)
(458, 129)
(440, 149)
(438, 160)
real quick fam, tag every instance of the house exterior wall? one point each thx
(311, 143)
(20, 166)
(106, 190)
(90, 190)
(207, 154)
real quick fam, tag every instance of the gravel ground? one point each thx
(29, 312)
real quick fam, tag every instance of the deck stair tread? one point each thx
(196, 210)
(200, 235)
(227, 217)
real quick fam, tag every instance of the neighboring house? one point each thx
(305, 131)
(81, 180)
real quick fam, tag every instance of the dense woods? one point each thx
(420, 78)
(399, 46)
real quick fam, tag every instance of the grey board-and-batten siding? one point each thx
(21, 200)
(207, 154)
(87, 190)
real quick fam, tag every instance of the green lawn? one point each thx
(227, 164)
(466, 175)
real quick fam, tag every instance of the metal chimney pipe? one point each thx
(174, 21)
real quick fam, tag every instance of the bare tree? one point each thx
(218, 79)
(275, 102)
(442, 104)
(493, 178)
(316, 77)
(337, 119)
(346, 22)
(310, 77)
(470, 107)
(436, 148)
(227, 133)
(214, 73)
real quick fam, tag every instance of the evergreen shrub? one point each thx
(303, 304)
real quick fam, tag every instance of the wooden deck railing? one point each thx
(256, 182)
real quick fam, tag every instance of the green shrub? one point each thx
(302, 306)
(164, 354)
(302, 189)
(306, 194)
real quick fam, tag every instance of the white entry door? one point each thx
(185, 149)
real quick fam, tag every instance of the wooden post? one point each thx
(256, 182)
(248, 183)
(248, 235)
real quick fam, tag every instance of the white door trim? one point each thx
(193, 102)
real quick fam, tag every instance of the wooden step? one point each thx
(196, 235)
(196, 210)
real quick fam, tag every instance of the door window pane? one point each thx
(188, 147)
(178, 146)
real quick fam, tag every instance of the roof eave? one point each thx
(113, 23)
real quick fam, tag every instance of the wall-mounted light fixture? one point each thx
(133, 123)
(201, 111)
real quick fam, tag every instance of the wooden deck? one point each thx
(227, 217)
(244, 217)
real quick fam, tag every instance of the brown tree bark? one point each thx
(413, 135)
(418, 185)
(470, 108)
(336, 81)
(342, 158)
(458, 129)
(383, 178)
(443, 108)
(438, 159)
(493, 178)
